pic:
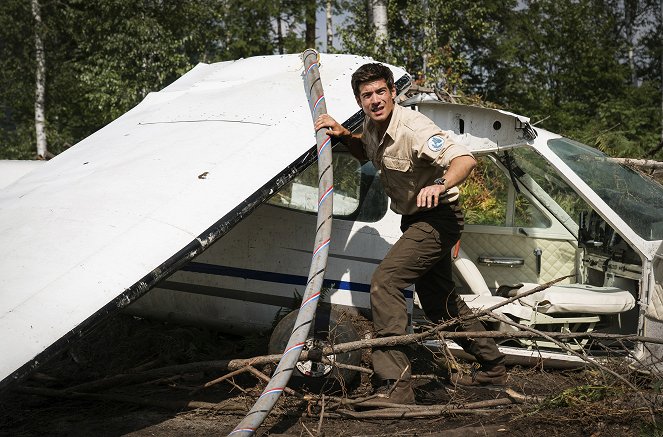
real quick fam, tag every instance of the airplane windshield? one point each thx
(634, 196)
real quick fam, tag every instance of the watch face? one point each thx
(439, 181)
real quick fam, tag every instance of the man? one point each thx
(420, 168)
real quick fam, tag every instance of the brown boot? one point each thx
(402, 394)
(485, 375)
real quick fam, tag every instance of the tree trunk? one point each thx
(630, 12)
(369, 11)
(40, 83)
(279, 32)
(310, 23)
(660, 27)
(378, 14)
(330, 30)
(427, 46)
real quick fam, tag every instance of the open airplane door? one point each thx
(96, 227)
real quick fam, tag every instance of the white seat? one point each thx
(556, 299)
(481, 302)
(468, 272)
(567, 308)
(578, 298)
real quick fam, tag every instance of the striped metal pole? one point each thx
(281, 376)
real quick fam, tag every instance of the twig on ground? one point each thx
(257, 373)
(241, 365)
(307, 430)
(393, 386)
(235, 364)
(322, 415)
(510, 400)
(231, 382)
(326, 360)
(426, 376)
(388, 413)
(220, 379)
(522, 398)
(570, 350)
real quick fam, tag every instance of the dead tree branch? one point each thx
(439, 330)
(643, 164)
(569, 350)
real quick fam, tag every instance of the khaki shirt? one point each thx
(412, 153)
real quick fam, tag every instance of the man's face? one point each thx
(377, 100)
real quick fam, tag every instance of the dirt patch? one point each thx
(577, 403)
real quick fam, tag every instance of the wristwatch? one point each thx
(441, 181)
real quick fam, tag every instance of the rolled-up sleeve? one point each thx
(440, 149)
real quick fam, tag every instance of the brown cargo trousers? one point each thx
(422, 256)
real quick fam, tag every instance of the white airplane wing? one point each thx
(97, 226)
(11, 170)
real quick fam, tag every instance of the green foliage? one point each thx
(651, 430)
(16, 94)
(566, 63)
(579, 396)
(434, 40)
(102, 58)
(483, 195)
(625, 126)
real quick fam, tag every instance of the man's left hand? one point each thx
(429, 196)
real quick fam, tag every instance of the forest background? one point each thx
(589, 70)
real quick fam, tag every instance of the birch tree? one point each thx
(309, 18)
(40, 83)
(330, 30)
(378, 16)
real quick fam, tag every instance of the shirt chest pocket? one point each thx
(398, 181)
(397, 164)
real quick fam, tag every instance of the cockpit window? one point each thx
(302, 193)
(636, 198)
(539, 174)
(488, 198)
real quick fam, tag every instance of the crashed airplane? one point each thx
(198, 206)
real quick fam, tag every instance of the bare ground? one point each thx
(573, 403)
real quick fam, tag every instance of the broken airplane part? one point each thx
(131, 209)
(15, 169)
(99, 225)
(557, 208)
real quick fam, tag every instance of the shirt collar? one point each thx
(394, 122)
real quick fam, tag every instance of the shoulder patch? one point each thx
(435, 143)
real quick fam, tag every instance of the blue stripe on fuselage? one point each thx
(281, 278)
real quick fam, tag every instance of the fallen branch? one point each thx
(388, 413)
(258, 374)
(360, 369)
(322, 416)
(556, 335)
(508, 321)
(648, 164)
(469, 406)
(400, 340)
(235, 364)
(307, 430)
(220, 379)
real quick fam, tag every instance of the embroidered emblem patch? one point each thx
(436, 143)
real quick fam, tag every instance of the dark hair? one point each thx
(371, 73)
